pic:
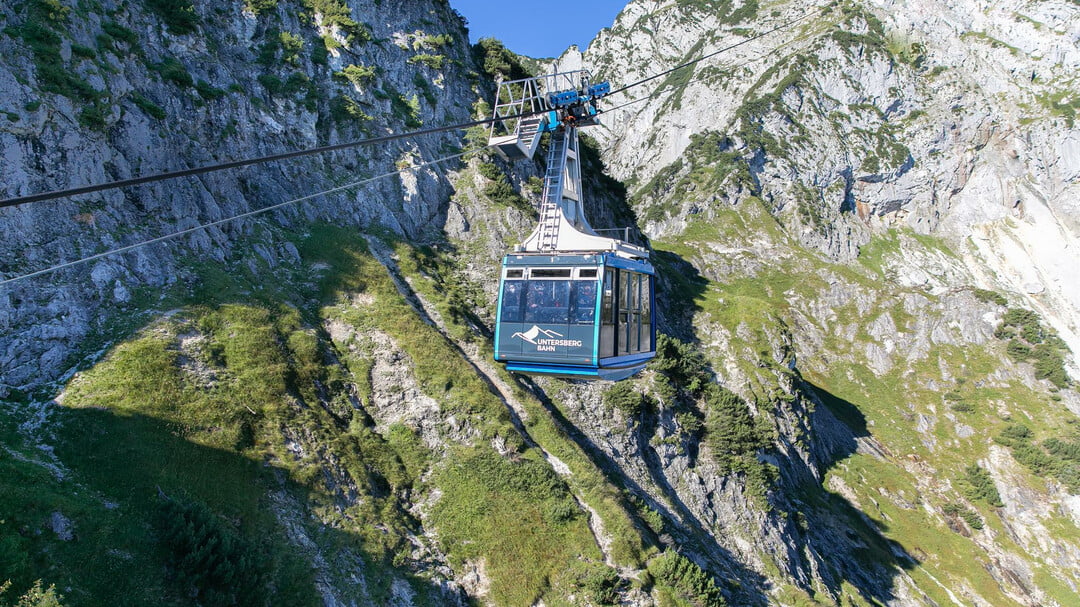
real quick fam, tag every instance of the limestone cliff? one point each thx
(864, 228)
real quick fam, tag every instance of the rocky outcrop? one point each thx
(947, 118)
(860, 131)
(138, 96)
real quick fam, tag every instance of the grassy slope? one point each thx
(753, 274)
(257, 407)
(791, 278)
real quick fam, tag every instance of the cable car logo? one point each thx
(548, 344)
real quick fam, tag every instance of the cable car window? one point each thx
(549, 273)
(646, 314)
(512, 300)
(607, 309)
(583, 311)
(548, 301)
(633, 319)
(587, 273)
(515, 273)
(607, 316)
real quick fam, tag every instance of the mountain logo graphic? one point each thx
(531, 335)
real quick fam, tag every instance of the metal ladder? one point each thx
(550, 218)
(529, 134)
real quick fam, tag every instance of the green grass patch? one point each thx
(178, 16)
(486, 498)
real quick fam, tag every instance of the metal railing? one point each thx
(529, 95)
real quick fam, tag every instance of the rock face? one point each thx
(864, 224)
(141, 95)
(953, 119)
(859, 131)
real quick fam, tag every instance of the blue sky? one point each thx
(538, 29)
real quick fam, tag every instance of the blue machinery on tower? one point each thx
(572, 303)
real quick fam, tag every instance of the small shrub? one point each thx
(503, 194)
(36, 596)
(296, 82)
(435, 62)
(597, 582)
(1050, 365)
(977, 484)
(970, 517)
(688, 581)
(291, 45)
(170, 69)
(208, 92)
(210, 557)
(119, 32)
(93, 116)
(1013, 433)
(432, 42)
(1063, 449)
(489, 170)
(498, 61)
(83, 52)
(358, 75)
(408, 109)
(152, 109)
(625, 397)
(271, 83)
(49, 10)
(681, 363)
(335, 13)
(732, 429)
(320, 55)
(260, 6)
(330, 42)
(962, 407)
(1017, 350)
(178, 15)
(345, 109)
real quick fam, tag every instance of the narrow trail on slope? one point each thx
(485, 370)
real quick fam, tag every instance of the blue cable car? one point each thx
(584, 316)
(572, 303)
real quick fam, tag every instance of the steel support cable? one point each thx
(246, 162)
(218, 222)
(50, 195)
(783, 25)
(311, 151)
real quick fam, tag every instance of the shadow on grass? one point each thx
(98, 530)
(679, 285)
(858, 552)
(691, 532)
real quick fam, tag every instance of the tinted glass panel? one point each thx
(587, 273)
(607, 316)
(548, 301)
(583, 300)
(646, 296)
(646, 314)
(549, 273)
(515, 273)
(512, 299)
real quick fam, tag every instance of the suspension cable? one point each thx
(218, 222)
(783, 25)
(50, 195)
(249, 161)
(318, 150)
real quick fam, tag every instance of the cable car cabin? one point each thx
(583, 316)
